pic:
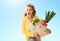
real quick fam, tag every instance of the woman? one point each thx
(27, 27)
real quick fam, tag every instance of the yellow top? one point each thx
(25, 27)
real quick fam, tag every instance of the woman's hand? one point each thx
(37, 35)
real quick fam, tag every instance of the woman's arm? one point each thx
(24, 28)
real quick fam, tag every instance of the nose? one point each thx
(28, 10)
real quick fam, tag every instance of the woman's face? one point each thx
(29, 11)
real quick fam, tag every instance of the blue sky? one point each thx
(11, 13)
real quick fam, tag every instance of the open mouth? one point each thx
(28, 13)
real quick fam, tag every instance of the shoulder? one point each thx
(24, 18)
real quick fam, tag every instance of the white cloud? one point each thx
(12, 2)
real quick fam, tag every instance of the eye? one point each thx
(30, 9)
(27, 9)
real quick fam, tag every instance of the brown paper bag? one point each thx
(42, 30)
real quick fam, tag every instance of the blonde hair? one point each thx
(34, 11)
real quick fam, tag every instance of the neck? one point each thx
(30, 18)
